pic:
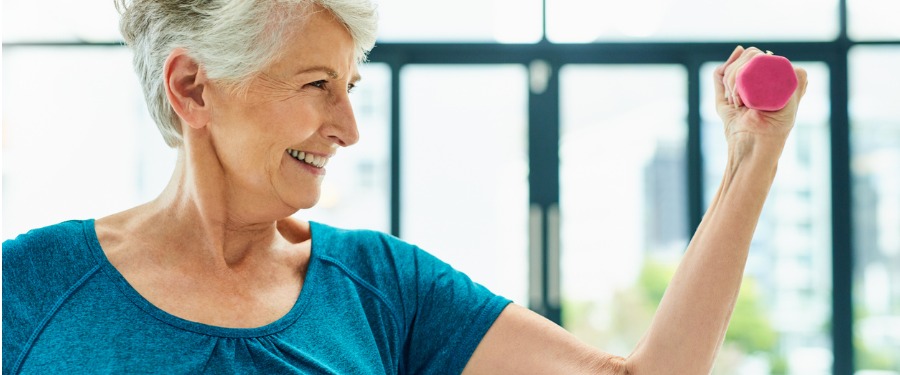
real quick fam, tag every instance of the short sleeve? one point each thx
(452, 315)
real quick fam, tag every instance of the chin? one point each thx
(306, 202)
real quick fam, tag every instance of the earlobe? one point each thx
(185, 81)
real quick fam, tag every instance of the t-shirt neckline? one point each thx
(308, 289)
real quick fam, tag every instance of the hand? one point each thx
(744, 124)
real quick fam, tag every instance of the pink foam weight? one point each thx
(766, 82)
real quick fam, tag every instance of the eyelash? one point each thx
(320, 84)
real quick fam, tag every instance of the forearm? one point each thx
(692, 318)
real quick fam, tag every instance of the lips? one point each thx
(317, 161)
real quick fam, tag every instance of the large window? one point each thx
(78, 142)
(465, 171)
(622, 188)
(505, 21)
(560, 152)
(875, 116)
(697, 20)
(873, 19)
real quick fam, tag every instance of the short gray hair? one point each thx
(232, 39)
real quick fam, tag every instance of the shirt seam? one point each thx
(395, 318)
(49, 316)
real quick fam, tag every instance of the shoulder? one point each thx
(379, 259)
(43, 261)
(378, 254)
(391, 265)
(358, 245)
(353, 237)
(39, 269)
(56, 245)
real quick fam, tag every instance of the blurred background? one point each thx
(561, 152)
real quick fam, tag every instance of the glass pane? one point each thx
(60, 20)
(78, 141)
(668, 20)
(873, 19)
(782, 319)
(505, 21)
(875, 167)
(464, 170)
(623, 196)
(357, 191)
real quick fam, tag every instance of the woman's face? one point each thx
(298, 108)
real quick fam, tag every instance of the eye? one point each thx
(320, 84)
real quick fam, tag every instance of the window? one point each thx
(60, 21)
(78, 141)
(873, 19)
(505, 21)
(464, 170)
(623, 211)
(875, 167)
(574, 21)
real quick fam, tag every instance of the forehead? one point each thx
(317, 41)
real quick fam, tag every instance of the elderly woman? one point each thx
(215, 276)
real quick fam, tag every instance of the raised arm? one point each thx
(692, 318)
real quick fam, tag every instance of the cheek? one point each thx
(296, 120)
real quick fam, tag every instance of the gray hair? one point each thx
(232, 39)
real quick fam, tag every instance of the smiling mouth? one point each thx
(313, 160)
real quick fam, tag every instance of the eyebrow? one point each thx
(331, 73)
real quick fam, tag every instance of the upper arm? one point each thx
(523, 342)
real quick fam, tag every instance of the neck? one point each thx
(198, 207)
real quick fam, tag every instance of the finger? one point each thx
(721, 93)
(734, 56)
(801, 86)
(735, 65)
(802, 80)
(732, 70)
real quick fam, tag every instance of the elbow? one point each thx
(611, 365)
(621, 366)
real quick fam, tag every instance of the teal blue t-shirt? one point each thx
(370, 304)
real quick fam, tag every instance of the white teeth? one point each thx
(314, 160)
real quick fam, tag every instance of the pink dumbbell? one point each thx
(766, 82)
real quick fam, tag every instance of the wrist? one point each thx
(760, 151)
(756, 146)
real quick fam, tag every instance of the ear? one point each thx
(185, 83)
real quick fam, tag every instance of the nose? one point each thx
(341, 127)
